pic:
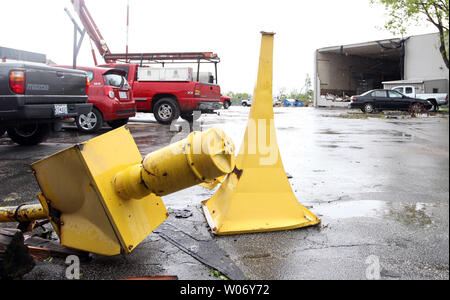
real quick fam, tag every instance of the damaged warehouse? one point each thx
(344, 71)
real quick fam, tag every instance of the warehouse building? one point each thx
(347, 70)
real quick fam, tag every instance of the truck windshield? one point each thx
(115, 80)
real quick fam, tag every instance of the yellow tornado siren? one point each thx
(102, 197)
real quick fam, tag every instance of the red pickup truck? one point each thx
(170, 99)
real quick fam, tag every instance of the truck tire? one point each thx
(435, 106)
(28, 135)
(226, 104)
(188, 116)
(244, 104)
(90, 122)
(118, 123)
(166, 110)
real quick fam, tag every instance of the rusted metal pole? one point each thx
(22, 213)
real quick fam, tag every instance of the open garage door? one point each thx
(344, 71)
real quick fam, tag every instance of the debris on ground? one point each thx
(15, 259)
(180, 213)
(42, 249)
(204, 250)
(217, 274)
(12, 197)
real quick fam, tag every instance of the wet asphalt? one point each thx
(379, 185)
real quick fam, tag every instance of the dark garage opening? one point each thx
(349, 70)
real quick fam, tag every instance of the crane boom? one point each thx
(95, 35)
(91, 27)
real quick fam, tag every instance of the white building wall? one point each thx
(423, 59)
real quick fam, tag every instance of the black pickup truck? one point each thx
(34, 96)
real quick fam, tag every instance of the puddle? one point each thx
(410, 214)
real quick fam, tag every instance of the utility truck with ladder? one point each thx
(168, 93)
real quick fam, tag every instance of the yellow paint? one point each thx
(200, 157)
(102, 197)
(213, 183)
(22, 214)
(78, 182)
(262, 198)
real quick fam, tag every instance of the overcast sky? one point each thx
(229, 28)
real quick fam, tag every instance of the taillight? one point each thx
(354, 99)
(109, 92)
(87, 85)
(17, 82)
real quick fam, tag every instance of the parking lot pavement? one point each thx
(379, 185)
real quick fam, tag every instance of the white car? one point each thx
(246, 102)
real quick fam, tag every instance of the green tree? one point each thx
(307, 89)
(404, 13)
(237, 97)
(305, 94)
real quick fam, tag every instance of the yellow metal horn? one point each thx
(102, 197)
(198, 158)
(258, 197)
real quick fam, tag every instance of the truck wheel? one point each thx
(188, 116)
(90, 122)
(244, 104)
(166, 110)
(435, 106)
(118, 123)
(226, 104)
(28, 135)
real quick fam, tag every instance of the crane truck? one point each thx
(168, 93)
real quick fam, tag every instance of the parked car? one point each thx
(437, 99)
(167, 97)
(226, 101)
(380, 100)
(35, 97)
(111, 97)
(246, 102)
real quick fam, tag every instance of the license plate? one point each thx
(60, 109)
(123, 95)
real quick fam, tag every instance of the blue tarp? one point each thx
(296, 103)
